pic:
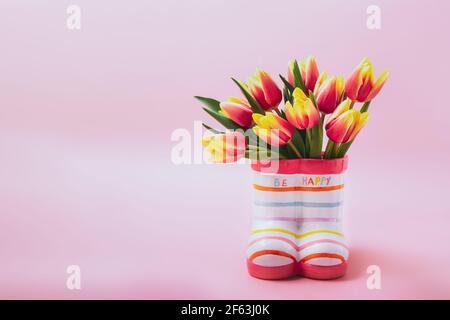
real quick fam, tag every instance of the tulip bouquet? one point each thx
(313, 102)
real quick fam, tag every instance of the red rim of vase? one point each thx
(306, 166)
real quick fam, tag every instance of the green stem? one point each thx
(343, 148)
(365, 107)
(298, 141)
(309, 140)
(302, 134)
(316, 142)
(293, 148)
(313, 99)
(329, 149)
(352, 104)
(336, 148)
(309, 136)
(261, 152)
(320, 134)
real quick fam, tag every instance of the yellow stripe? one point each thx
(298, 236)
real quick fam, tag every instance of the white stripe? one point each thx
(271, 244)
(264, 224)
(295, 212)
(305, 196)
(332, 226)
(323, 248)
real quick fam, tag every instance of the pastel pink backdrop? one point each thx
(85, 136)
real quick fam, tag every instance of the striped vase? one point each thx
(297, 226)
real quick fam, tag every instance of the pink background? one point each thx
(85, 136)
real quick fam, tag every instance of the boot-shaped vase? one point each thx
(297, 226)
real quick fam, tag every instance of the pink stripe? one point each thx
(294, 245)
(299, 219)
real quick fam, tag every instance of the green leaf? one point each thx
(285, 150)
(286, 95)
(286, 83)
(212, 129)
(343, 148)
(287, 90)
(212, 104)
(313, 99)
(227, 123)
(253, 103)
(298, 80)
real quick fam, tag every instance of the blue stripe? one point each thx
(298, 204)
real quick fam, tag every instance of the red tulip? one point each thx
(265, 90)
(361, 85)
(237, 110)
(272, 129)
(345, 123)
(308, 70)
(328, 92)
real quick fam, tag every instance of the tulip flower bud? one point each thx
(272, 129)
(308, 70)
(303, 114)
(228, 147)
(237, 110)
(265, 90)
(342, 107)
(361, 85)
(328, 92)
(345, 123)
